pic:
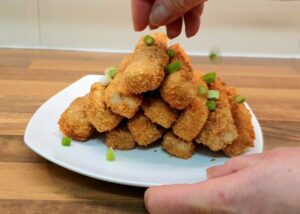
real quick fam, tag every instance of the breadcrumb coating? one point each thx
(193, 118)
(242, 120)
(74, 123)
(178, 147)
(102, 118)
(143, 130)
(145, 70)
(177, 88)
(219, 131)
(120, 138)
(159, 112)
(118, 98)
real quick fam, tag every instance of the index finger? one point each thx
(140, 13)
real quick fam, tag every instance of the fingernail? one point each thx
(159, 15)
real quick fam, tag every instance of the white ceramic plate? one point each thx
(138, 167)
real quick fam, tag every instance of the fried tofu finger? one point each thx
(177, 147)
(145, 71)
(242, 120)
(219, 131)
(102, 118)
(120, 138)
(118, 98)
(74, 123)
(193, 118)
(177, 88)
(159, 112)
(143, 130)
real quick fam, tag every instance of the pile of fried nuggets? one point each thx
(144, 104)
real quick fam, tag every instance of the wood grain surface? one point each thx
(30, 184)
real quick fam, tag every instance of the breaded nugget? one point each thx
(219, 131)
(145, 70)
(192, 120)
(158, 111)
(177, 88)
(143, 130)
(242, 120)
(177, 147)
(102, 118)
(74, 123)
(120, 138)
(118, 98)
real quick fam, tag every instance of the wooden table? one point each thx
(30, 184)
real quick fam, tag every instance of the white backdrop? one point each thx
(237, 27)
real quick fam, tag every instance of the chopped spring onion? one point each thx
(202, 90)
(110, 154)
(104, 80)
(213, 94)
(149, 40)
(65, 141)
(239, 99)
(211, 105)
(215, 55)
(171, 52)
(173, 67)
(210, 77)
(111, 72)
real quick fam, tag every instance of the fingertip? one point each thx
(174, 28)
(140, 14)
(192, 22)
(147, 196)
(211, 171)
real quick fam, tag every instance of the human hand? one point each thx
(170, 13)
(259, 183)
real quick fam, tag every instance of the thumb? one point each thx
(212, 196)
(233, 165)
(166, 11)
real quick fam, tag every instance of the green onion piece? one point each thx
(211, 105)
(202, 90)
(239, 99)
(213, 94)
(173, 67)
(111, 72)
(210, 77)
(215, 55)
(65, 141)
(171, 52)
(110, 155)
(149, 40)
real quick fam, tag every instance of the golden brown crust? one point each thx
(219, 131)
(242, 119)
(192, 120)
(102, 118)
(118, 98)
(159, 112)
(145, 70)
(143, 130)
(177, 147)
(177, 88)
(120, 138)
(74, 123)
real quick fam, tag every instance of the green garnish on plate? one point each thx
(66, 141)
